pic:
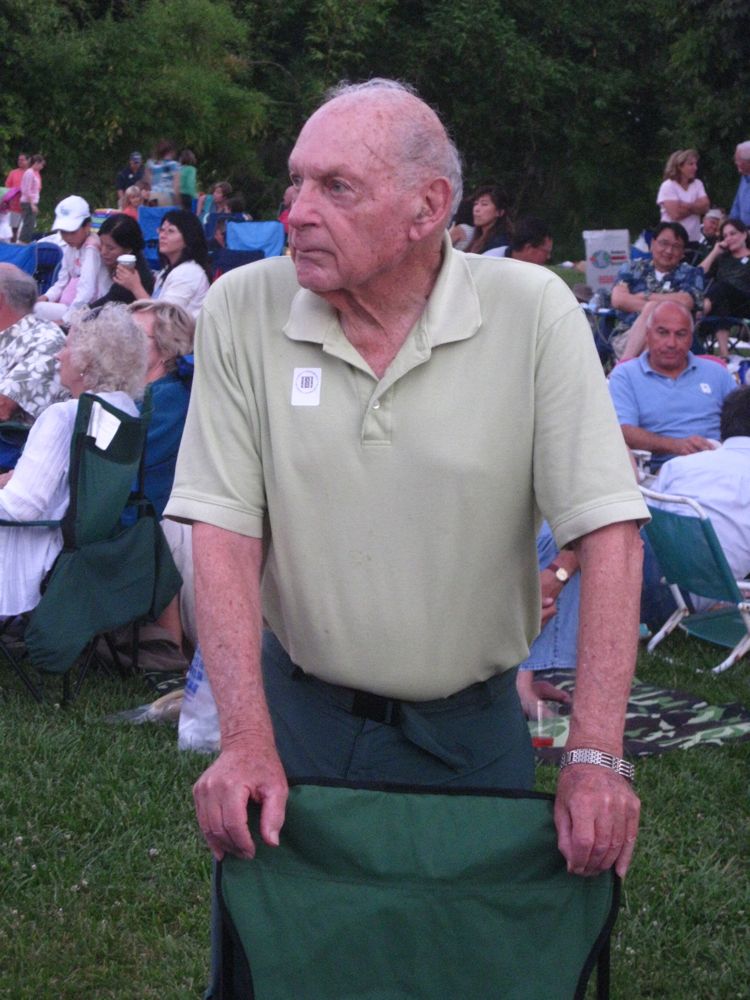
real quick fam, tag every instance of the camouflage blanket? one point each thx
(656, 721)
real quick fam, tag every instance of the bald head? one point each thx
(17, 290)
(421, 146)
(670, 311)
(742, 157)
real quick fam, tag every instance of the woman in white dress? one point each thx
(186, 274)
(106, 354)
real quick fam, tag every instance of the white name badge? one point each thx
(306, 387)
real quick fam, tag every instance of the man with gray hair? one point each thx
(376, 427)
(741, 205)
(29, 379)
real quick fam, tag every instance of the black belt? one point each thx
(387, 711)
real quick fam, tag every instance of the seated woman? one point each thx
(82, 278)
(119, 234)
(728, 267)
(185, 278)
(104, 354)
(170, 332)
(491, 223)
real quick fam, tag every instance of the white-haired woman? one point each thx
(106, 354)
(170, 331)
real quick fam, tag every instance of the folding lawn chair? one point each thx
(22, 256)
(265, 236)
(225, 259)
(692, 559)
(149, 219)
(106, 575)
(48, 257)
(412, 894)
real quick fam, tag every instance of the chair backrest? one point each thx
(687, 549)
(105, 457)
(149, 219)
(22, 256)
(48, 257)
(265, 236)
(225, 259)
(394, 892)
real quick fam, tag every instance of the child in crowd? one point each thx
(133, 201)
(82, 278)
(188, 179)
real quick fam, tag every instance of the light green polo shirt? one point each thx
(401, 513)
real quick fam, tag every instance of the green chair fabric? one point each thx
(692, 560)
(387, 893)
(106, 575)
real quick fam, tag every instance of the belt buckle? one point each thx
(375, 707)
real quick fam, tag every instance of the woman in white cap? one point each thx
(82, 278)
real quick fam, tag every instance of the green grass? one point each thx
(105, 884)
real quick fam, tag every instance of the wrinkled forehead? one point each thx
(350, 131)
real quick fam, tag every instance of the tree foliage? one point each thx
(573, 108)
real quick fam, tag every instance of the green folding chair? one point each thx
(106, 575)
(389, 893)
(692, 560)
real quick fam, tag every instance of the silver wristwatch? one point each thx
(585, 755)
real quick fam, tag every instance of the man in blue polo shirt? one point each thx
(667, 400)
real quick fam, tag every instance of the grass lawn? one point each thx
(105, 882)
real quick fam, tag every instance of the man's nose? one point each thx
(303, 209)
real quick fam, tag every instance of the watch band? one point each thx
(585, 755)
(560, 572)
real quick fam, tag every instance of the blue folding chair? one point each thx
(149, 219)
(48, 257)
(22, 256)
(265, 236)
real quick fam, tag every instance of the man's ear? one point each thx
(433, 209)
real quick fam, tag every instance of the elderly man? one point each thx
(668, 401)
(741, 205)
(375, 426)
(531, 242)
(643, 283)
(29, 379)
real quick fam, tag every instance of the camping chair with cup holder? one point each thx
(107, 575)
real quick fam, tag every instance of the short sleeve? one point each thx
(623, 397)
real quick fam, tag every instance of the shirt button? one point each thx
(376, 405)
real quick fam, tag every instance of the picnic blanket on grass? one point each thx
(657, 720)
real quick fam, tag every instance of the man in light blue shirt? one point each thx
(720, 481)
(668, 401)
(741, 204)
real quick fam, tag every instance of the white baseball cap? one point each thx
(71, 213)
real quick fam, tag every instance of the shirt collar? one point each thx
(452, 311)
(647, 369)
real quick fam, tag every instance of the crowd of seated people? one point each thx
(166, 304)
(106, 354)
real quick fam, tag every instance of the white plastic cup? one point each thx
(127, 260)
